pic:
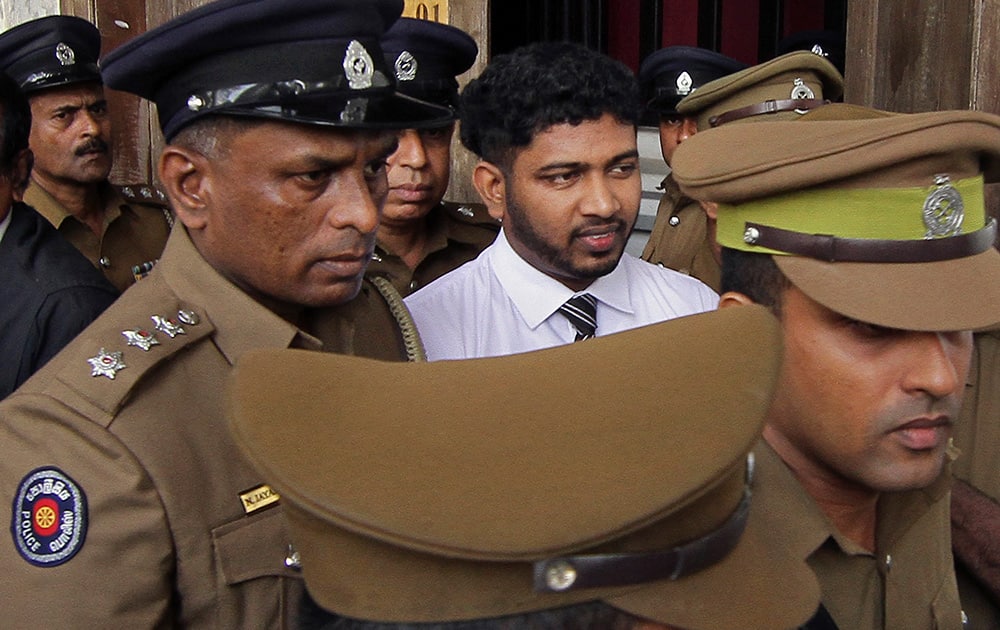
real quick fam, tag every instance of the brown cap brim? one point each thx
(958, 294)
(424, 492)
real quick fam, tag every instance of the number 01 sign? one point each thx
(433, 10)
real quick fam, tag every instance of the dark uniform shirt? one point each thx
(457, 233)
(47, 296)
(132, 505)
(137, 221)
(679, 239)
(908, 582)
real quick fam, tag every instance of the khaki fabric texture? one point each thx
(408, 507)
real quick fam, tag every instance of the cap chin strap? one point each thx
(802, 105)
(870, 250)
(571, 573)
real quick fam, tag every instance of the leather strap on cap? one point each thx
(558, 575)
(767, 107)
(870, 250)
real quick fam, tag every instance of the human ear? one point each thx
(185, 177)
(732, 298)
(491, 185)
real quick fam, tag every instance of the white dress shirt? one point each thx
(499, 304)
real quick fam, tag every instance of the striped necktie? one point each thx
(581, 311)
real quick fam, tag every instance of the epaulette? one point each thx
(147, 195)
(98, 371)
(472, 213)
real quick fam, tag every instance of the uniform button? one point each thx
(888, 562)
(414, 285)
(560, 576)
(675, 220)
(104, 262)
(292, 559)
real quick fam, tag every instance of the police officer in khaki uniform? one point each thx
(121, 229)
(783, 88)
(615, 502)
(866, 234)
(124, 493)
(667, 76)
(422, 237)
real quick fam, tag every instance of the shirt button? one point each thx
(292, 559)
(414, 285)
(675, 220)
(888, 562)
(104, 262)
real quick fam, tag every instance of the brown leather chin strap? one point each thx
(870, 250)
(558, 575)
(767, 107)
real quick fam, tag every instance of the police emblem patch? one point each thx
(49, 517)
(358, 66)
(65, 54)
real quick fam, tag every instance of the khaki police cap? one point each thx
(878, 217)
(582, 474)
(780, 89)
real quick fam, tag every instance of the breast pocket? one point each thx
(263, 585)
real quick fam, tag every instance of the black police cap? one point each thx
(50, 52)
(310, 61)
(426, 57)
(671, 73)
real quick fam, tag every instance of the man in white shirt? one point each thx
(554, 126)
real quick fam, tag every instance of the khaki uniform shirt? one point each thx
(133, 507)
(679, 239)
(977, 433)
(909, 582)
(137, 221)
(457, 233)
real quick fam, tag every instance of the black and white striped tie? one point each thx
(581, 311)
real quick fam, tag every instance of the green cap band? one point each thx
(883, 213)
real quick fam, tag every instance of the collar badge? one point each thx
(167, 326)
(944, 210)
(358, 66)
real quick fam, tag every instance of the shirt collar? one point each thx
(537, 296)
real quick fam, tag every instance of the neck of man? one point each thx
(851, 507)
(82, 200)
(408, 240)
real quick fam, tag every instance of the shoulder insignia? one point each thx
(126, 349)
(143, 193)
(49, 519)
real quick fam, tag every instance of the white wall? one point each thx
(13, 12)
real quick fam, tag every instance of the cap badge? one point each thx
(818, 50)
(358, 66)
(801, 91)
(106, 364)
(684, 83)
(355, 111)
(406, 66)
(195, 102)
(944, 209)
(142, 339)
(65, 54)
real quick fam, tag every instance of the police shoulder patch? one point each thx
(49, 518)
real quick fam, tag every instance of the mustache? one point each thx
(94, 145)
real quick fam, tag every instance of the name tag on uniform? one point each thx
(258, 498)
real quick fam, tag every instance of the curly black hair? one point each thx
(540, 85)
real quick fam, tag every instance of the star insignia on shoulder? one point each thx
(142, 339)
(106, 364)
(167, 326)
